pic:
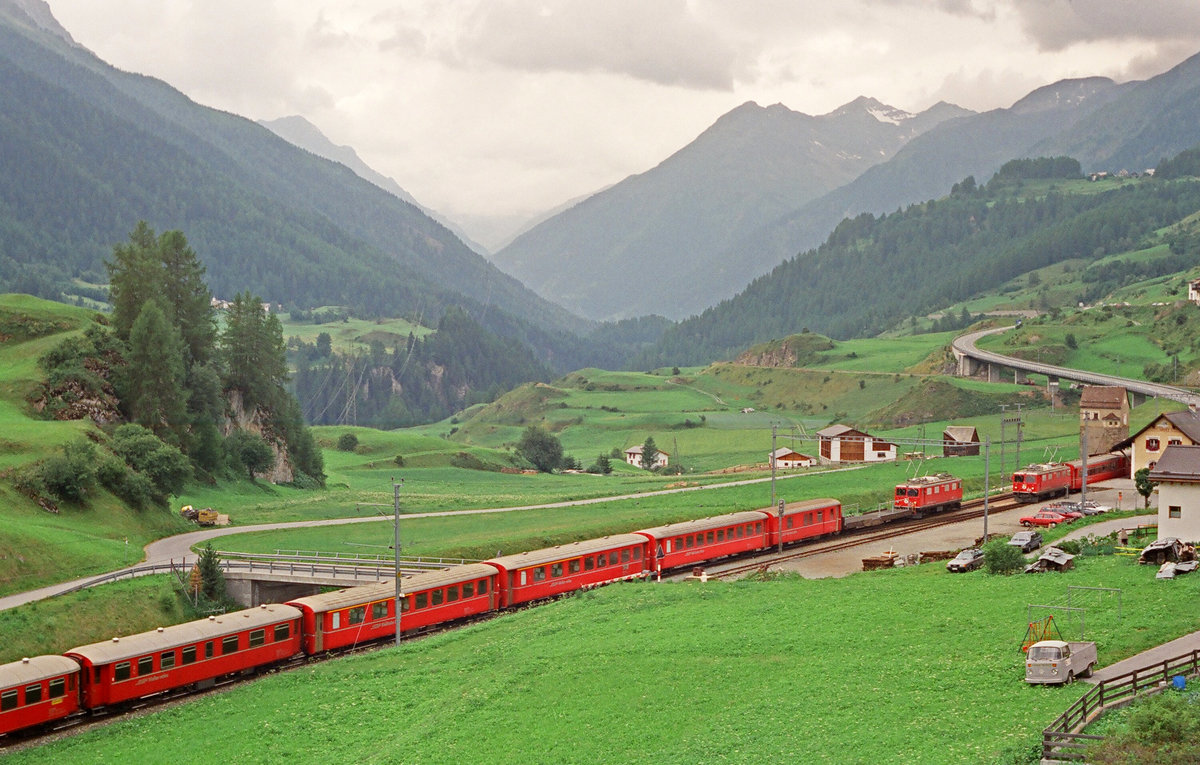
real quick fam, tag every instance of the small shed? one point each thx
(960, 441)
(784, 458)
(1167, 549)
(1052, 559)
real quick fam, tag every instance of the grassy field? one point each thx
(910, 665)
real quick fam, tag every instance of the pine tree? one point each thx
(153, 392)
(134, 277)
(649, 453)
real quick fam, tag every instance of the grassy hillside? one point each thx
(40, 547)
(783, 671)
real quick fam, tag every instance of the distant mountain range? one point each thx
(86, 151)
(762, 185)
(299, 131)
(665, 241)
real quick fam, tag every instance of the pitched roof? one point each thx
(1187, 421)
(835, 430)
(962, 433)
(784, 451)
(1103, 397)
(1178, 463)
(639, 449)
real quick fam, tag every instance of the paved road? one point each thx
(178, 548)
(966, 344)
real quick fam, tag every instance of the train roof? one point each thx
(1041, 467)
(165, 638)
(36, 668)
(804, 506)
(704, 524)
(929, 480)
(368, 593)
(563, 552)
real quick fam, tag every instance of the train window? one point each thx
(229, 645)
(451, 594)
(437, 597)
(357, 615)
(483, 587)
(58, 687)
(33, 693)
(625, 555)
(208, 650)
(589, 564)
(145, 665)
(283, 632)
(602, 560)
(8, 700)
(468, 590)
(188, 656)
(720, 535)
(166, 660)
(556, 569)
(758, 527)
(423, 598)
(710, 538)
(637, 553)
(739, 531)
(379, 610)
(899, 491)
(678, 544)
(791, 522)
(524, 574)
(405, 604)
(573, 566)
(258, 637)
(688, 541)
(97, 674)
(539, 574)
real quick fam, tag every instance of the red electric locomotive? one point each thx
(543, 573)
(1100, 467)
(681, 544)
(1037, 482)
(37, 691)
(804, 520)
(361, 614)
(929, 494)
(190, 654)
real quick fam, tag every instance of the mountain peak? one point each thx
(35, 14)
(876, 109)
(1062, 93)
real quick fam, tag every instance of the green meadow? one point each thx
(902, 666)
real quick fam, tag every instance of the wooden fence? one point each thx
(1060, 742)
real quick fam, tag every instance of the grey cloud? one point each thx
(659, 42)
(1058, 24)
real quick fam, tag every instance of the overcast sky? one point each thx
(510, 107)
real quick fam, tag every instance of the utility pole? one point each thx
(987, 483)
(774, 432)
(396, 549)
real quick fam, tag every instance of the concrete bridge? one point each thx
(974, 361)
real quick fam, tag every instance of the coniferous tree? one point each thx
(153, 392)
(134, 278)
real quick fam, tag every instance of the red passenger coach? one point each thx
(929, 494)
(1100, 467)
(681, 544)
(1037, 482)
(362, 614)
(37, 691)
(566, 568)
(194, 653)
(805, 520)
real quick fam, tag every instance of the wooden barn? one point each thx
(842, 443)
(960, 441)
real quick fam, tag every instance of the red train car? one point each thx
(1037, 482)
(929, 494)
(681, 544)
(543, 573)
(37, 691)
(1100, 467)
(189, 654)
(361, 614)
(808, 519)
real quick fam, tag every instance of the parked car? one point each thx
(1059, 661)
(1027, 541)
(1047, 518)
(967, 560)
(1083, 508)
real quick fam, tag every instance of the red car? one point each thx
(1046, 518)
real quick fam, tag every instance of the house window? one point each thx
(1174, 511)
(1151, 444)
(1175, 442)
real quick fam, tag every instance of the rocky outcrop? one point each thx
(258, 422)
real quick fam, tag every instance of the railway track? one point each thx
(970, 511)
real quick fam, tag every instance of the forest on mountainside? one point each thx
(874, 272)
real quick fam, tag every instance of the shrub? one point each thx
(347, 442)
(399, 460)
(70, 475)
(999, 557)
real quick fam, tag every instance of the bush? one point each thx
(999, 557)
(127, 484)
(1163, 728)
(347, 442)
(69, 476)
